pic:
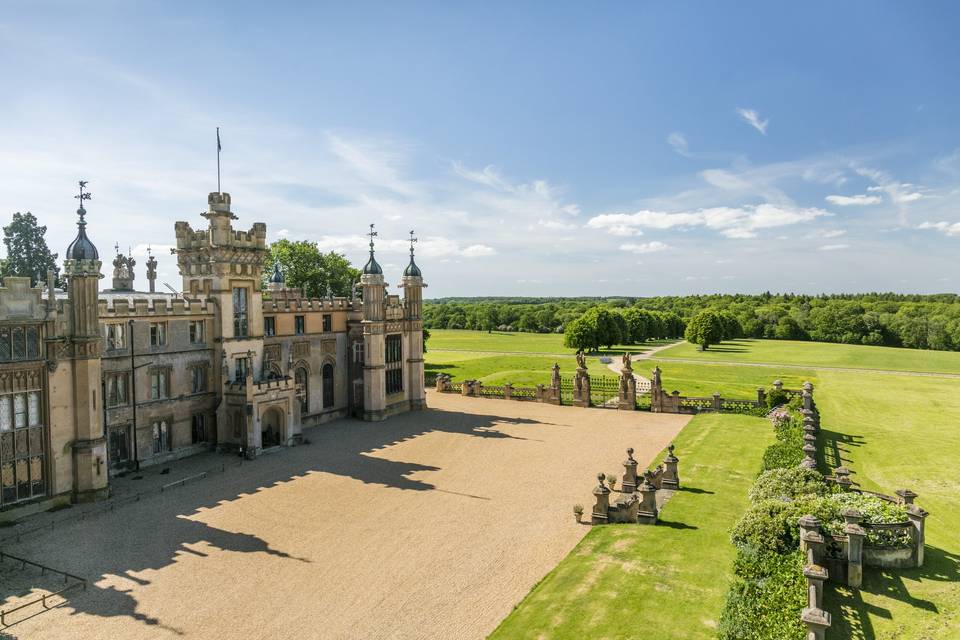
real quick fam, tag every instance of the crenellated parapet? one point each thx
(116, 308)
(305, 305)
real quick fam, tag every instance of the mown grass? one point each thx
(688, 378)
(821, 354)
(893, 431)
(665, 581)
(900, 431)
(515, 342)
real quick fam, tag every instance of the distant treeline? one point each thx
(902, 320)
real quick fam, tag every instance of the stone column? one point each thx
(602, 505)
(906, 496)
(809, 456)
(810, 422)
(628, 391)
(465, 388)
(477, 388)
(581, 388)
(716, 401)
(647, 513)
(541, 395)
(817, 622)
(816, 575)
(507, 391)
(761, 396)
(918, 518)
(808, 396)
(842, 475)
(811, 540)
(855, 536)
(555, 396)
(671, 474)
(629, 482)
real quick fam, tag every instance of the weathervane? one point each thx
(413, 239)
(83, 196)
(372, 234)
(116, 248)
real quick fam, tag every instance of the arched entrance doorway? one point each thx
(271, 428)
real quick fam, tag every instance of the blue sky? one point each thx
(536, 148)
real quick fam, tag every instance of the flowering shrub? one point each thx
(789, 483)
(874, 511)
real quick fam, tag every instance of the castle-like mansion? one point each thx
(94, 382)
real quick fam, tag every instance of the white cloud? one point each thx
(834, 247)
(732, 222)
(679, 143)
(645, 247)
(857, 200)
(826, 233)
(949, 228)
(556, 224)
(751, 117)
(476, 250)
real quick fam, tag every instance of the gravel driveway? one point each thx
(429, 525)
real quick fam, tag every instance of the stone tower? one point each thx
(81, 268)
(226, 265)
(374, 330)
(412, 285)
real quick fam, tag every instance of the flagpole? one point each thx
(218, 160)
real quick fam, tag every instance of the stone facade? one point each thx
(94, 383)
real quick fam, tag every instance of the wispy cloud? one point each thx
(949, 228)
(645, 247)
(732, 222)
(858, 200)
(679, 143)
(834, 247)
(751, 117)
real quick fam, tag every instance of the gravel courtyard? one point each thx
(429, 525)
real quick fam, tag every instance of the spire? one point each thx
(412, 268)
(372, 268)
(81, 248)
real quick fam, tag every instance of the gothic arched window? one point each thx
(302, 379)
(327, 386)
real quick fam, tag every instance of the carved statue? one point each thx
(555, 380)
(627, 362)
(581, 360)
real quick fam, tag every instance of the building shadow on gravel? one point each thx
(343, 447)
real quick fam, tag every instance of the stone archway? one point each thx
(272, 427)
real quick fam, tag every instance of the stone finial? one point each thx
(808, 387)
(630, 453)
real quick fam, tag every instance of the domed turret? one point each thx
(372, 267)
(81, 248)
(412, 269)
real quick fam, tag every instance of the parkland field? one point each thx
(890, 415)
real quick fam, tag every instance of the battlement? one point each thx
(302, 305)
(131, 307)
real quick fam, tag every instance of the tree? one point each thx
(607, 328)
(580, 334)
(705, 329)
(27, 251)
(305, 266)
(638, 324)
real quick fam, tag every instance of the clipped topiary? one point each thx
(765, 598)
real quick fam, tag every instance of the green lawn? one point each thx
(893, 431)
(821, 354)
(688, 378)
(900, 431)
(666, 581)
(516, 342)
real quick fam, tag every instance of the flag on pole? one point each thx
(219, 148)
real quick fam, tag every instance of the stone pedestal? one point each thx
(601, 505)
(581, 389)
(629, 482)
(817, 622)
(671, 472)
(855, 537)
(647, 512)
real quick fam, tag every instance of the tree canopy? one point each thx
(705, 328)
(305, 266)
(27, 251)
